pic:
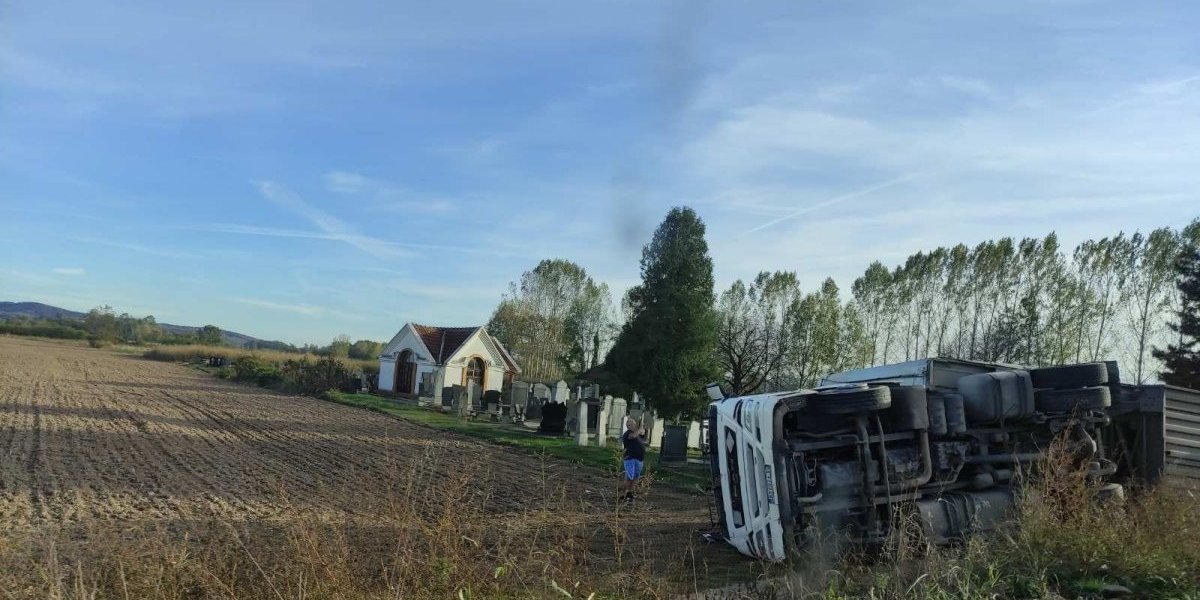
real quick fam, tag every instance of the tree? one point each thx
(753, 336)
(871, 300)
(209, 335)
(1181, 360)
(665, 350)
(1151, 268)
(101, 324)
(366, 350)
(533, 318)
(588, 326)
(340, 346)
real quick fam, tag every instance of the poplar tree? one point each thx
(666, 348)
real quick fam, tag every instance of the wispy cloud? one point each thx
(395, 248)
(300, 309)
(138, 248)
(836, 200)
(68, 271)
(332, 227)
(387, 196)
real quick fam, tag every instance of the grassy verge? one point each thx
(197, 352)
(608, 459)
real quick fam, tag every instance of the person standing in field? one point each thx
(634, 443)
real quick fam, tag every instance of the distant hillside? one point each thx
(37, 310)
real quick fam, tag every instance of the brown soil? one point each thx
(91, 435)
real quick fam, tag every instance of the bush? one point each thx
(46, 330)
(253, 368)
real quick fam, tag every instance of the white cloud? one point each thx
(386, 196)
(331, 226)
(300, 309)
(344, 182)
(68, 271)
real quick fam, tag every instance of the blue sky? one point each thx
(298, 170)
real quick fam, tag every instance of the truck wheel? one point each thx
(849, 401)
(1065, 401)
(910, 408)
(1070, 376)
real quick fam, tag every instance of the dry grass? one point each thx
(196, 352)
(434, 540)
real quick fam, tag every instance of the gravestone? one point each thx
(520, 394)
(616, 417)
(561, 391)
(533, 409)
(592, 391)
(553, 419)
(602, 426)
(572, 414)
(659, 427)
(693, 437)
(475, 395)
(581, 434)
(541, 392)
(491, 400)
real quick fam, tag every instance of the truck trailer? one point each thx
(945, 438)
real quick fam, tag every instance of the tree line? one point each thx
(102, 326)
(1021, 301)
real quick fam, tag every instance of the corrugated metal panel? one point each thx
(1181, 417)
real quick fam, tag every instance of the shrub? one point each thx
(253, 368)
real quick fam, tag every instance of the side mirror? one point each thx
(714, 392)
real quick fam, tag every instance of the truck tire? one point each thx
(1065, 401)
(910, 408)
(1067, 377)
(849, 401)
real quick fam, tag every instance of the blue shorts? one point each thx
(633, 468)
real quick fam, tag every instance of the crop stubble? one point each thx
(89, 435)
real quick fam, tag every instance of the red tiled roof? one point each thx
(443, 342)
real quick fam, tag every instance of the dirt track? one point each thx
(91, 435)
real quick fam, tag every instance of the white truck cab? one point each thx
(742, 440)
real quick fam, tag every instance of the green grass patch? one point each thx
(607, 459)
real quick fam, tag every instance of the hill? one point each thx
(37, 310)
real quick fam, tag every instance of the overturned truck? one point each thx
(946, 438)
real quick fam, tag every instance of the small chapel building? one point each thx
(421, 360)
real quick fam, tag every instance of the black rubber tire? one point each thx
(1065, 401)
(850, 401)
(1068, 377)
(910, 408)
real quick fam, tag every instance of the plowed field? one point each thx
(94, 436)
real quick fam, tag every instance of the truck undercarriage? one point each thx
(947, 447)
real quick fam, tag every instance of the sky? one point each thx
(299, 170)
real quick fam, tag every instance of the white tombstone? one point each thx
(602, 427)
(694, 435)
(616, 417)
(581, 432)
(656, 433)
(561, 391)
